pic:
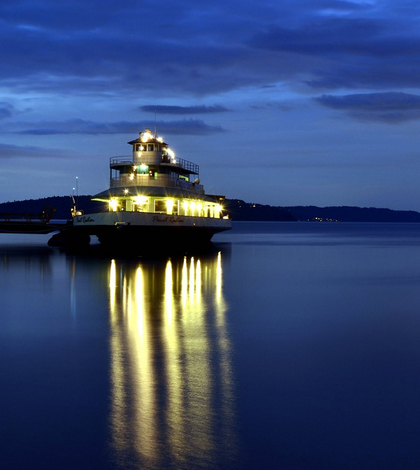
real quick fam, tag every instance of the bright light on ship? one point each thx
(171, 154)
(113, 204)
(146, 136)
(140, 199)
(169, 205)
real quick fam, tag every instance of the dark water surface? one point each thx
(289, 346)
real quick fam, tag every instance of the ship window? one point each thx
(150, 148)
(140, 204)
(138, 147)
(160, 205)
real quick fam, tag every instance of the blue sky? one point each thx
(286, 102)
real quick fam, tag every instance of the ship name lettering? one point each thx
(85, 219)
(172, 220)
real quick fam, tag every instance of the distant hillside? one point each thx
(241, 210)
(351, 214)
(62, 205)
(237, 209)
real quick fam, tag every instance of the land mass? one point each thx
(238, 210)
(241, 210)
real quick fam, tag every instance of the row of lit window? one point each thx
(148, 147)
(170, 206)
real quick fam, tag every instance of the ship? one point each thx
(154, 199)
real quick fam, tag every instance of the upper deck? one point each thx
(161, 160)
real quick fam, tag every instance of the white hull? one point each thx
(140, 219)
(146, 229)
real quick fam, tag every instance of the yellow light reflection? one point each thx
(175, 409)
(219, 279)
(184, 282)
(112, 285)
(170, 345)
(198, 375)
(133, 393)
(192, 279)
(169, 301)
(198, 281)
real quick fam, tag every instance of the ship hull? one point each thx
(133, 230)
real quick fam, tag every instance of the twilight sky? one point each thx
(285, 102)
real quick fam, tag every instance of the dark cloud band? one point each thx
(391, 107)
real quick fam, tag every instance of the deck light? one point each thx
(140, 199)
(169, 205)
(113, 204)
(147, 135)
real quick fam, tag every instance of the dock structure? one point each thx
(16, 222)
(31, 227)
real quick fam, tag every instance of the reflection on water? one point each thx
(129, 364)
(172, 396)
(28, 259)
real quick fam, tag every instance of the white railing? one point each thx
(153, 160)
(162, 180)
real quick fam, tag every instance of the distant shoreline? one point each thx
(237, 209)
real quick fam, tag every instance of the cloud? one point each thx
(325, 37)
(80, 126)
(390, 107)
(188, 127)
(353, 51)
(193, 48)
(15, 151)
(161, 109)
(6, 110)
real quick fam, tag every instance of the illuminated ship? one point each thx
(153, 198)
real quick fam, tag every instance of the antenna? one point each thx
(155, 125)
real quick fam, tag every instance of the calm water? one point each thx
(290, 346)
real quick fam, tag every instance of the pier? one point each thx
(13, 222)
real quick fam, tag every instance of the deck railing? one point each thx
(153, 160)
(162, 180)
(44, 216)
